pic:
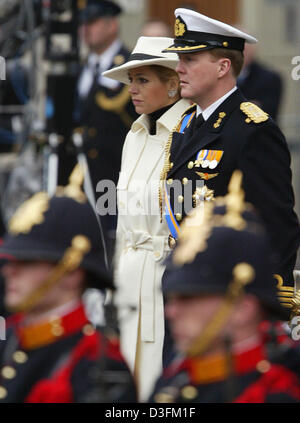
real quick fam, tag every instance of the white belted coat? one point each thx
(142, 246)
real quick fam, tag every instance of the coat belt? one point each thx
(158, 245)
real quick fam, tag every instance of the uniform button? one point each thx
(93, 153)
(180, 199)
(190, 165)
(170, 181)
(56, 329)
(171, 165)
(185, 181)
(263, 366)
(189, 392)
(156, 254)
(3, 393)
(8, 372)
(20, 357)
(163, 397)
(88, 330)
(178, 217)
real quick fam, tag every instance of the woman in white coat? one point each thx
(142, 237)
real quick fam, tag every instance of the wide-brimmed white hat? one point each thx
(148, 51)
(195, 32)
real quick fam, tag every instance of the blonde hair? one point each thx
(166, 74)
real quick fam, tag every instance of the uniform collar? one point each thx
(106, 58)
(55, 327)
(216, 369)
(213, 107)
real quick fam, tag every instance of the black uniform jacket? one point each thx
(231, 140)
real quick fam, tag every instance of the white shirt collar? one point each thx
(210, 109)
(105, 59)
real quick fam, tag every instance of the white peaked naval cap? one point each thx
(197, 32)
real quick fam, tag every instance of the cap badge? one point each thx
(30, 213)
(180, 27)
(255, 114)
(119, 59)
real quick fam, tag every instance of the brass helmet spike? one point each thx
(73, 189)
(235, 202)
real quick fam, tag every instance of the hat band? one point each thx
(211, 40)
(141, 56)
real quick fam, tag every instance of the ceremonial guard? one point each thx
(225, 310)
(223, 132)
(52, 353)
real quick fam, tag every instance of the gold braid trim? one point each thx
(243, 274)
(166, 168)
(70, 261)
(116, 104)
(286, 295)
(167, 163)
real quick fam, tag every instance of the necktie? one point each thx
(199, 121)
(96, 72)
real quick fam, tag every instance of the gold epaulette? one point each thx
(285, 293)
(253, 112)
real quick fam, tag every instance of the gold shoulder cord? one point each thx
(166, 168)
(243, 274)
(70, 261)
(116, 104)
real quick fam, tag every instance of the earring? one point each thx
(172, 93)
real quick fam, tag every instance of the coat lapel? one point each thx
(184, 146)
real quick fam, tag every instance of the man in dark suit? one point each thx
(104, 108)
(260, 84)
(224, 132)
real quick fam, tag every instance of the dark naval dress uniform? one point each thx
(238, 135)
(45, 363)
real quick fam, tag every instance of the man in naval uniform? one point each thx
(223, 132)
(104, 109)
(52, 353)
